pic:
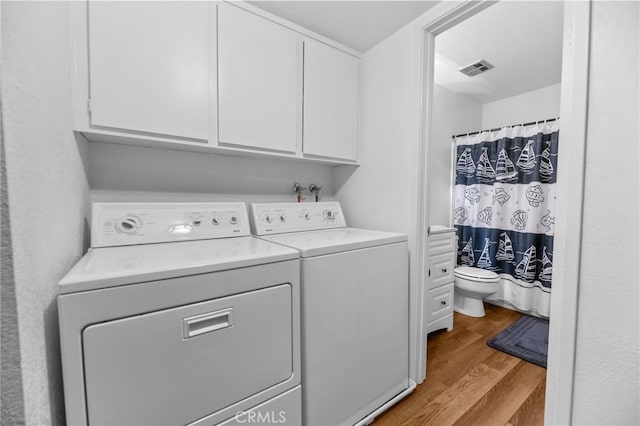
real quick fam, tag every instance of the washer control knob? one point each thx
(283, 218)
(215, 221)
(233, 220)
(329, 215)
(307, 216)
(268, 219)
(197, 222)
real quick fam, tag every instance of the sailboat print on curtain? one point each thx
(547, 266)
(505, 170)
(526, 269)
(484, 169)
(466, 255)
(465, 165)
(485, 261)
(546, 168)
(527, 159)
(505, 202)
(505, 248)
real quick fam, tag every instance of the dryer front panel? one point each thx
(178, 365)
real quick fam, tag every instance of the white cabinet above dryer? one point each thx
(143, 68)
(217, 77)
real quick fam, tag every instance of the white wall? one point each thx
(127, 173)
(376, 194)
(452, 114)
(607, 352)
(531, 106)
(48, 199)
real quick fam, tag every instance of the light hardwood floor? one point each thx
(469, 383)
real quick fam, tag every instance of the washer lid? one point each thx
(468, 271)
(329, 241)
(113, 266)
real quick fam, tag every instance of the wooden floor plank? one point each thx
(469, 383)
(503, 400)
(452, 404)
(411, 404)
(531, 412)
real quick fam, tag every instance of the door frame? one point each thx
(570, 185)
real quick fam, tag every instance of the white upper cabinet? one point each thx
(210, 76)
(330, 101)
(149, 67)
(258, 81)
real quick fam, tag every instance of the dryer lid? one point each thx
(468, 271)
(329, 241)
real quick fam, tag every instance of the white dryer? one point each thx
(355, 310)
(176, 316)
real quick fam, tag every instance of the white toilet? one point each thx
(471, 286)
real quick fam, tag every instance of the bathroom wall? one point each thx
(48, 198)
(608, 351)
(452, 114)
(531, 106)
(126, 173)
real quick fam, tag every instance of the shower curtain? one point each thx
(505, 209)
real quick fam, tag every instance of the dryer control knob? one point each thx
(128, 225)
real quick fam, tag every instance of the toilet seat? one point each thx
(476, 274)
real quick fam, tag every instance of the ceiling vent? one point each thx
(476, 68)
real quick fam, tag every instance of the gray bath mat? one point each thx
(527, 338)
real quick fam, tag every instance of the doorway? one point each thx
(572, 107)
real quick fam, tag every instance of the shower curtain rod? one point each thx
(499, 128)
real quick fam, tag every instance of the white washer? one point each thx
(355, 295)
(199, 328)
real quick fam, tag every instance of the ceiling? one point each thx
(356, 24)
(522, 39)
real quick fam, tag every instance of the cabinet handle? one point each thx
(443, 303)
(444, 270)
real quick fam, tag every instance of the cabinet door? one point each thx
(149, 66)
(330, 102)
(257, 81)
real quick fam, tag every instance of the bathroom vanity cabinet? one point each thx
(440, 278)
